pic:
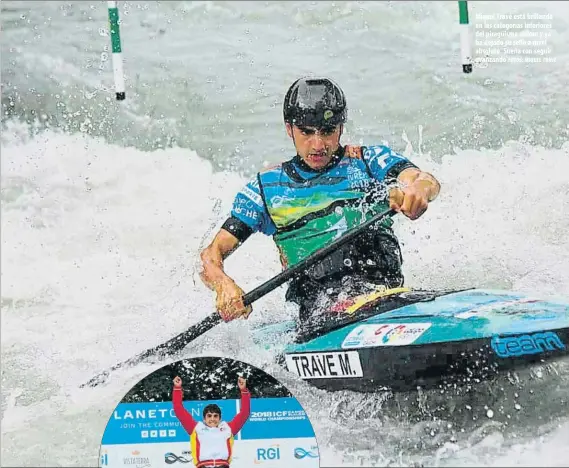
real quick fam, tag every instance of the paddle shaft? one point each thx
(287, 274)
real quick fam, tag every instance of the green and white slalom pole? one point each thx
(117, 50)
(465, 43)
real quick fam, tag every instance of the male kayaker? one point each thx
(313, 198)
(212, 439)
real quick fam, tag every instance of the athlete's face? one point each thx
(315, 146)
(211, 419)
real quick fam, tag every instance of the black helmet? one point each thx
(214, 409)
(315, 102)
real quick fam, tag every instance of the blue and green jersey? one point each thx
(304, 210)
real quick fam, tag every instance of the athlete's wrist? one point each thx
(222, 282)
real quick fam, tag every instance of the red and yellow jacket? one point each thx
(211, 445)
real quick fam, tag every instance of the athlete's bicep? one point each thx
(384, 163)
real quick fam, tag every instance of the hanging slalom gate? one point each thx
(116, 50)
(465, 43)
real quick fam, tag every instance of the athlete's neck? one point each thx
(335, 158)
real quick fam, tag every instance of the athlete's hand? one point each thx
(242, 383)
(412, 200)
(229, 301)
(177, 382)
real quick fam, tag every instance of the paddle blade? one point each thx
(163, 350)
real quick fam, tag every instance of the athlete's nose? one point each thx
(318, 145)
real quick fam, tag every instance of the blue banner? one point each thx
(270, 418)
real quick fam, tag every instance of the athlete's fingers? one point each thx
(407, 205)
(244, 311)
(414, 204)
(420, 209)
(226, 311)
(420, 205)
(221, 309)
(229, 304)
(232, 309)
(396, 199)
(393, 205)
(225, 306)
(410, 205)
(224, 315)
(239, 307)
(248, 311)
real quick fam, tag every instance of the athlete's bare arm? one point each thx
(240, 418)
(188, 423)
(229, 301)
(212, 258)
